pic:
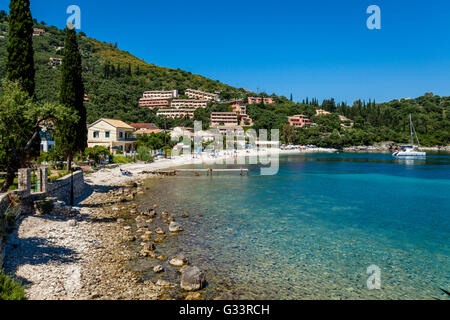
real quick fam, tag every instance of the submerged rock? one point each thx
(179, 260)
(158, 269)
(146, 237)
(194, 296)
(225, 296)
(159, 231)
(163, 283)
(158, 240)
(192, 279)
(175, 227)
(148, 250)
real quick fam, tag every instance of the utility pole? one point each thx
(71, 187)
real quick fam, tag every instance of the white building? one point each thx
(201, 95)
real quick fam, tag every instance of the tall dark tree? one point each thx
(129, 72)
(16, 151)
(3, 16)
(20, 61)
(71, 136)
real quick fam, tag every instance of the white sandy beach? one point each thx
(113, 176)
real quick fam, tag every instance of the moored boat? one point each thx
(410, 151)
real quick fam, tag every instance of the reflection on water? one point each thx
(311, 231)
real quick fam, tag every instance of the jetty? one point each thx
(196, 172)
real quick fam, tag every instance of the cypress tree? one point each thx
(71, 137)
(20, 61)
(129, 72)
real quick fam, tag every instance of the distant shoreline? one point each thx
(386, 148)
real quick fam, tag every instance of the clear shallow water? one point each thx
(311, 231)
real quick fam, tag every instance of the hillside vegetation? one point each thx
(115, 80)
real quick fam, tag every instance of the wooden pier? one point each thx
(196, 172)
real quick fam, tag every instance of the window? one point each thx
(121, 134)
(96, 134)
(106, 134)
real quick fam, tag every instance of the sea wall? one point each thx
(60, 188)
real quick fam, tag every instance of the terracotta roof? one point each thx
(148, 131)
(114, 123)
(143, 125)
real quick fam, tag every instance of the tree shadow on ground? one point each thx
(34, 251)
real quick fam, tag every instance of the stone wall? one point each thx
(4, 203)
(61, 188)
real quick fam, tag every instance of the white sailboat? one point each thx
(410, 151)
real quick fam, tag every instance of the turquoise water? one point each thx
(312, 230)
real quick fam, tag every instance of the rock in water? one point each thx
(179, 260)
(194, 296)
(158, 269)
(192, 279)
(175, 227)
(225, 296)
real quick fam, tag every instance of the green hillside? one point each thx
(115, 80)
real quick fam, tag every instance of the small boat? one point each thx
(126, 172)
(410, 151)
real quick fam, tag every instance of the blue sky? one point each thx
(315, 48)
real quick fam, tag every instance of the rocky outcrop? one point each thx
(192, 279)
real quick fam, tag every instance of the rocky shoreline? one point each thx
(84, 252)
(389, 147)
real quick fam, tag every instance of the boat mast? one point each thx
(411, 130)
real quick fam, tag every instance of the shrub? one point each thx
(143, 154)
(10, 289)
(121, 159)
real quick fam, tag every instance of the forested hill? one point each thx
(114, 79)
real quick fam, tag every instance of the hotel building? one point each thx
(185, 103)
(238, 106)
(153, 103)
(224, 119)
(175, 113)
(256, 100)
(299, 120)
(160, 94)
(201, 95)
